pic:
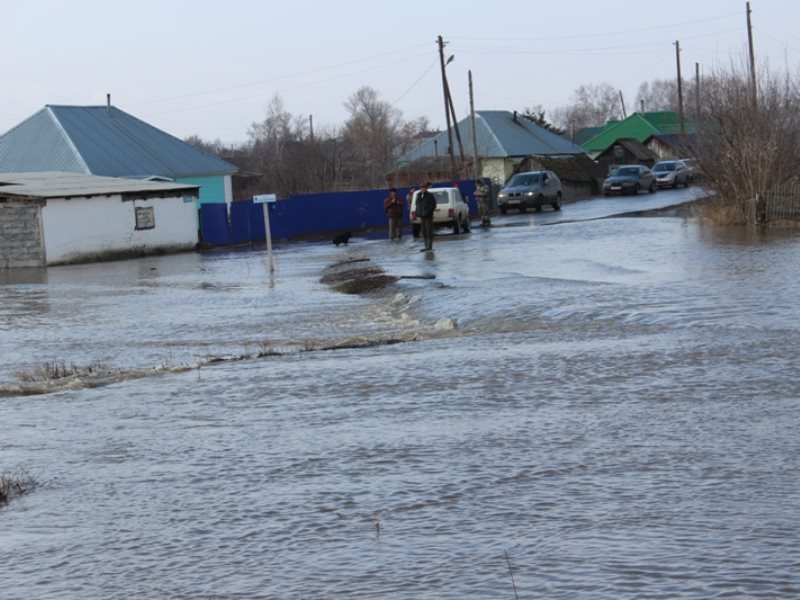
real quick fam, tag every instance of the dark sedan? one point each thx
(629, 179)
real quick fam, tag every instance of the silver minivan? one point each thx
(532, 189)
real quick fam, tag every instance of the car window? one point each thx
(624, 171)
(524, 179)
(664, 166)
(441, 197)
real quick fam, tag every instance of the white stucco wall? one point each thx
(101, 227)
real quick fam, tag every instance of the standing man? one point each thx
(426, 205)
(482, 196)
(393, 205)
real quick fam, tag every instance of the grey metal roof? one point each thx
(74, 185)
(499, 135)
(102, 141)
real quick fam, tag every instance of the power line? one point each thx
(413, 85)
(476, 49)
(280, 77)
(612, 33)
(287, 89)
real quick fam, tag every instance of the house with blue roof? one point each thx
(106, 141)
(504, 141)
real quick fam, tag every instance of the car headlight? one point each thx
(529, 193)
(501, 195)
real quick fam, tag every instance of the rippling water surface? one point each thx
(605, 409)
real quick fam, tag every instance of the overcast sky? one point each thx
(210, 68)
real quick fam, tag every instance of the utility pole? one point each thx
(476, 169)
(680, 84)
(455, 124)
(311, 127)
(447, 108)
(752, 54)
(696, 92)
(622, 102)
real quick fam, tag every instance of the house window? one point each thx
(145, 217)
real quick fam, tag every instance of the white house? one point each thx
(107, 141)
(57, 218)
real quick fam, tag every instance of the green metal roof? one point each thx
(639, 126)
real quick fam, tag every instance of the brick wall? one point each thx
(20, 236)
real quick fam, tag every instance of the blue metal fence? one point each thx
(303, 215)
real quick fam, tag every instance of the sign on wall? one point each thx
(145, 217)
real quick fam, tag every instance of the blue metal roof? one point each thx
(499, 134)
(101, 140)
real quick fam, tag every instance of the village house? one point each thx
(58, 218)
(639, 127)
(505, 140)
(106, 141)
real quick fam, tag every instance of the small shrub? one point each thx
(14, 484)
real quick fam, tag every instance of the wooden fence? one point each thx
(781, 203)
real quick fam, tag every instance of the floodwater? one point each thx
(603, 409)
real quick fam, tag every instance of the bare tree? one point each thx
(371, 136)
(537, 114)
(217, 148)
(590, 106)
(748, 145)
(662, 94)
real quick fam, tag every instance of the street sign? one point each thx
(265, 200)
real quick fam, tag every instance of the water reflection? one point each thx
(612, 403)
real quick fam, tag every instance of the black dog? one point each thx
(342, 238)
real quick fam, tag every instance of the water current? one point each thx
(602, 409)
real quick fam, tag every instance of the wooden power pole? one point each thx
(752, 54)
(447, 109)
(475, 160)
(680, 84)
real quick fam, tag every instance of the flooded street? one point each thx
(612, 403)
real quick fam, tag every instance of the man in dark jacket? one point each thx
(426, 205)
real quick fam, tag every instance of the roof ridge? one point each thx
(67, 139)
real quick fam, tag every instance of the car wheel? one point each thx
(539, 202)
(456, 227)
(636, 189)
(523, 208)
(415, 230)
(557, 203)
(652, 189)
(503, 210)
(466, 226)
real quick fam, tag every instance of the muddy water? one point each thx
(613, 404)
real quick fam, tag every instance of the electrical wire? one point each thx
(413, 85)
(613, 33)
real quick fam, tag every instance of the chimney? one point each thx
(108, 104)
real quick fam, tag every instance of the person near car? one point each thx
(482, 198)
(426, 206)
(393, 205)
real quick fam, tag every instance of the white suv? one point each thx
(451, 210)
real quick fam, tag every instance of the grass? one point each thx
(56, 370)
(15, 483)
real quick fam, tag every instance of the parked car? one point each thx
(693, 168)
(629, 179)
(671, 173)
(532, 189)
(451, 210)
